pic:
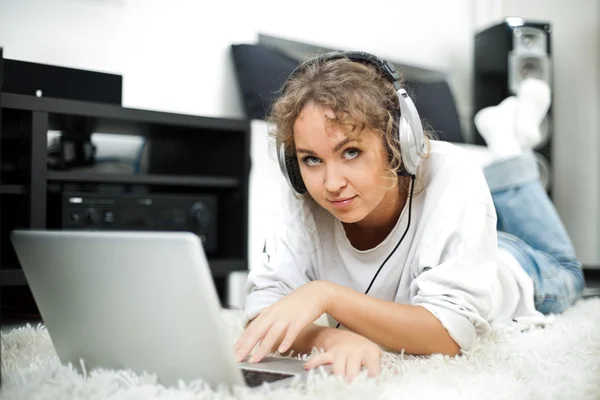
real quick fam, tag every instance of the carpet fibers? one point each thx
(560, 361)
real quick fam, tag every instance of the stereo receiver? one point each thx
(158, 212)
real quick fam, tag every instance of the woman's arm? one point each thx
(391, 325)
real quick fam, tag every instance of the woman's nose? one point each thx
(334, 179)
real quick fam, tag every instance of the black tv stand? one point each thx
(186, 154)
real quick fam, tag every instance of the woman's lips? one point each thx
(342, 203)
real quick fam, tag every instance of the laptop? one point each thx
(144, 301)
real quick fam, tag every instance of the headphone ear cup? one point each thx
(290, 169)
(410, 133)
(410, 159)
(295, 177)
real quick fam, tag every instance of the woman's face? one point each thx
(345, 176)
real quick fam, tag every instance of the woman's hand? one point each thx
(286, 317)
(348, 353)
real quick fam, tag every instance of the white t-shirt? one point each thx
(449, 261)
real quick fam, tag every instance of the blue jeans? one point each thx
(531, 230)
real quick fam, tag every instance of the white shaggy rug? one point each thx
(561, 361)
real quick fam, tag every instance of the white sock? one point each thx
(533, 101)
(496, 125)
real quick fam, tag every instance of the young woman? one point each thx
(394, 236)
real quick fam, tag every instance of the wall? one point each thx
(174, 54)
(576, 59)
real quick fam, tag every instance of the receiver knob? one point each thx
(91, 217)
(200, 216)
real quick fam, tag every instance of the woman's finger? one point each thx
(339, 365)
(373, 364)
(318, 359)
(353, 365)
(251, 337)
(291, 334)
(244, 335)
(268, 341)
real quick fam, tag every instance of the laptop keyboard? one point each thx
(256, 378)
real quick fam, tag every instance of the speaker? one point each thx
(505, 55)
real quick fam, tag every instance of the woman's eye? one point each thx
(351, 154)
(310, 160)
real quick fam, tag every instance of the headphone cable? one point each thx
(412, 187)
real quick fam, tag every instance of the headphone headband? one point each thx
(385, 67)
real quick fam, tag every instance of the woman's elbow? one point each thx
(452, 351)
(447, 347)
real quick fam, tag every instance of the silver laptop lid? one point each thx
(139, 300)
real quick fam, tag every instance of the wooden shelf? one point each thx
(12, 277)
(185, 154)
(12, 189)
(108, 118)
(222, 267)
(167, 180)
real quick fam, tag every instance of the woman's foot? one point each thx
(496, 125)
(533, 102)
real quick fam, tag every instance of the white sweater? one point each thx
(449, 261)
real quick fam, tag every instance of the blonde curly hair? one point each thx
(359, 96)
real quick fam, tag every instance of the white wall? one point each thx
(174, 54)
(576, 59)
